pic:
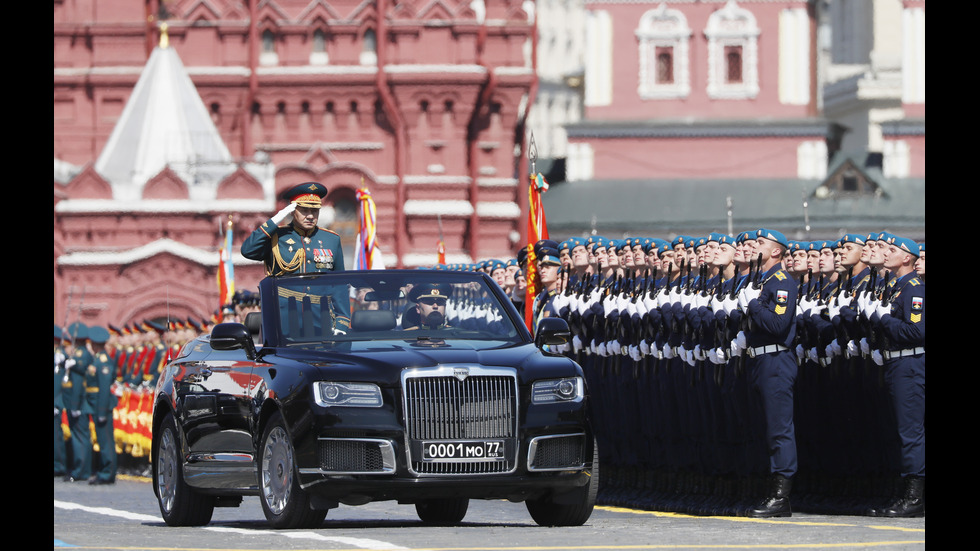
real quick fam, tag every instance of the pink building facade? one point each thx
(423, 103)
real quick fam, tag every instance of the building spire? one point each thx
(164, 38)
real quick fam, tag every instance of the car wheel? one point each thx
(180, 505)
(284, 503)
(570, 509)
(442, 511)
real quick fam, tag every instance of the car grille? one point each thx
(478, 407)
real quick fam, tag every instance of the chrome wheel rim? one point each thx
(277, 470)
(167, 470)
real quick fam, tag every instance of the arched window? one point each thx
(369, 50)
(733, 53)
(664, 39)
(268, 55)
(318, 54)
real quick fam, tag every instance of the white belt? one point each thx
(767, 349)
(900, 353)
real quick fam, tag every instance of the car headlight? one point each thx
(570, 389)
(330, 394)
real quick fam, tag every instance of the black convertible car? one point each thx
(352, 387)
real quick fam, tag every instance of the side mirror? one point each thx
(552, 331)
(232, 336)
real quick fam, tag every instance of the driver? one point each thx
(430, 306)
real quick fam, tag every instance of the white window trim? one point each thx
(662, 27)
(732, 26)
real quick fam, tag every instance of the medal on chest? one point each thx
(323, 258)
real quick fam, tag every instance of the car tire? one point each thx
(571, 509)
(442, 511)
(284, 503)
(180, 505)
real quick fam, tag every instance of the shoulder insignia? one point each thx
(328, 231)
(914, 281)
(780, 275)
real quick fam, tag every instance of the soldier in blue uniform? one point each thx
(77, 361)
(549, 269)
(901, 322)
(99, 403)
(770, 305)
(301, 246)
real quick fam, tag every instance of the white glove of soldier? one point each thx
(730, 304)
(734, 350)
(806, 305)
(834, 347)
(577, 344)
(800, 352)
(339, 331)
(644, 347)
(746, 296)
(844, 300)
(69, 363)
(58, 358)
(883, 309)
(740, 340)
(668, 352)
(870, 307)
(833, 309)
(720, 356)
(852, 348)
(877, 357)
(635, 353)
(286, 211)
(812, 355)
(865, 349)
(601, 349)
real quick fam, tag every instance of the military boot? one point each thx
(777, 504)
(912, 503)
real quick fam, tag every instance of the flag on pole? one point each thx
(537, 229)
(367, 255)
(441, 251)
(226, 268)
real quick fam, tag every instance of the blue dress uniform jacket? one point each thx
(284, 250)
(903, 331)
(772, 370)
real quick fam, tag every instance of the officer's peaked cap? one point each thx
(307, 194)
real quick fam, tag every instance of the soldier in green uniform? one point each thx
(430, 307)
(99, 402)
(301, 246)
(77, 361)
(60, 451)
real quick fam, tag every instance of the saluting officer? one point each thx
(772, 369)
(301, 246)
(99, 403)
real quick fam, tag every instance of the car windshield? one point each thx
(418, 305)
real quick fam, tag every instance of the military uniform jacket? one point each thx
(286, 251)
(905, 326)
(75, 393)
(98, 382)
(773, 314)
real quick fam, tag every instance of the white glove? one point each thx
(853, 349)
(833, 309)
(844, 300)
(883, 309)
(740, 340)
(716, 304)
(668, 352)
(286, 211)
(812, 355)
(806, 305)
(339, 331)
(865, 349)
(601, 349)
(635, 353)
(835, 347)
(58, 358)
(644, 347)
(746, 296)
(877, 357)
(69, 363)
(730, 304)
(577, 344)
(734, 350)
(800, 352)
(720, 355)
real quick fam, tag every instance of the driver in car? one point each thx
(429, 311)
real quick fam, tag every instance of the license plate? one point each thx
(472, 450)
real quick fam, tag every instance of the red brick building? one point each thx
(422, 102)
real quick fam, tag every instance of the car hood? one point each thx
(384, 361)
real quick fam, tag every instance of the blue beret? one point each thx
(679, 240)
(771, 235)
(922, 247)
(853, 238)
(723, 239)
(905, 244)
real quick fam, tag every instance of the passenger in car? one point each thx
(429, 311)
